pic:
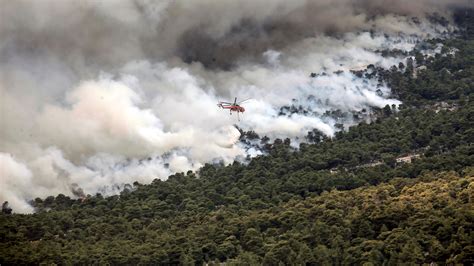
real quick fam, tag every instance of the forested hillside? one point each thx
(397, 190)
(421, 220)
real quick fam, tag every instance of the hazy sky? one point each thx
(102, 93)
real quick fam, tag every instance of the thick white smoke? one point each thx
(97, 94)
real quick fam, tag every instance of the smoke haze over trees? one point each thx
(357, 147)
(99, 94)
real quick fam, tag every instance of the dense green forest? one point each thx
(397, 190)
(426, 219)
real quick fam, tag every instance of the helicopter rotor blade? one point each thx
(245, 100)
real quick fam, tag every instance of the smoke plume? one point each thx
(98, 94)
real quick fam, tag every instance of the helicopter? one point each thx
(233, 107)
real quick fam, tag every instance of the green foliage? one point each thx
(448, 76)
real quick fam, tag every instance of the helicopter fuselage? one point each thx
(233, 108)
